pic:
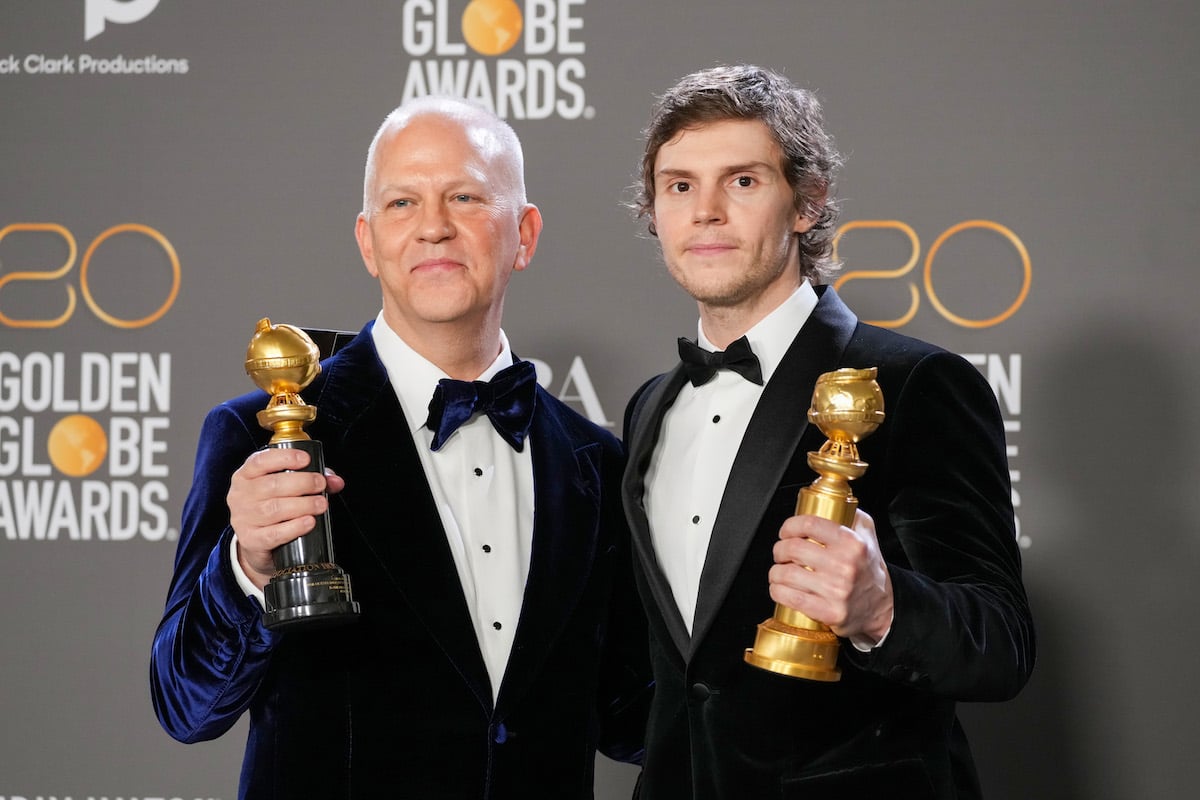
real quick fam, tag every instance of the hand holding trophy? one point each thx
(847, 406)
(308, 588)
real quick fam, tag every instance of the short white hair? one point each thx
(494, 137)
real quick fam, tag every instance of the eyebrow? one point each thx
(750, 166)
(465, 185)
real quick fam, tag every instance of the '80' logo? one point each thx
(987, 226)
(84, 275)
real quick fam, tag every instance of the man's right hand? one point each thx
(270, 505)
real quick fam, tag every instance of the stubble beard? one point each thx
(730, 290)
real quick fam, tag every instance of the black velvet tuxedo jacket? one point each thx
(938, 489)
(398, 704)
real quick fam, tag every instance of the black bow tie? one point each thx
(701, 365)
(508, 400)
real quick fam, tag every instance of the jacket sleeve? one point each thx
(626, 682)
(210, 650)
(962, 626)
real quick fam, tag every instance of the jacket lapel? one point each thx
(391, 505)
(643, 435)
(567, 496)
(770, 442)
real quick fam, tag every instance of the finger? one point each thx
(269, 537)
(287, 484)
(258, 543)
(334, 483)
(793, 576)
(807, 552)
(794, 551)
(813, 606)
(807, 526)
(255, 546)
(273, 459)
(864, 522)
(247, 492)
(273, 511)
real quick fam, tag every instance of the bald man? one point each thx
(500, 642)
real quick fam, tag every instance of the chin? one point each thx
(717, 296)
(441, 306)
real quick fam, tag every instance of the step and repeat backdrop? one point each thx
(1019, 187)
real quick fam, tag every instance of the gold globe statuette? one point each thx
(847, 406)
(308, 588)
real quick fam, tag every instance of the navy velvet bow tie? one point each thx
(507, 399)
(701, 365)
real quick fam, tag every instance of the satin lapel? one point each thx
(392, 508)
(567, 494)
(642, 440)
(771, 439)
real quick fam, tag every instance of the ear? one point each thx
(803, 224)
(530, 228)
(808, 215)
(366, 245)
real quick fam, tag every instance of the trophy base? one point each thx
(795, 652)
(309, 598)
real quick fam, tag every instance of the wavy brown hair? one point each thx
(791, 114)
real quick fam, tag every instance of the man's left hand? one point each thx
(834, 575)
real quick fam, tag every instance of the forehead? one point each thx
(713, 146)
(435, 144)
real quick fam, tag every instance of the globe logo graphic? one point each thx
(492, 27)
(77, 445)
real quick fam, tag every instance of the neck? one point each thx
(724, 324)
(462, 351)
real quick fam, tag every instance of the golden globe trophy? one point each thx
(308, 588)
(847, 406)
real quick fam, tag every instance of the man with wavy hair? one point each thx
(923, 588)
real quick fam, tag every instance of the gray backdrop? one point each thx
(233, 134)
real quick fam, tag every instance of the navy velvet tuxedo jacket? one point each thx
(938, 489)
(398, 704)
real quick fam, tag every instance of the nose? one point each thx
(435, 223)
(709, 205)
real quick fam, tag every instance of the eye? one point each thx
(463, 198)
(398, 203)
(744, 180)
(679, 187)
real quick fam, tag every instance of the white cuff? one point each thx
(864, 646)
(243, 580)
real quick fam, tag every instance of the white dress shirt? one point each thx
(483, 490)
(700, 436)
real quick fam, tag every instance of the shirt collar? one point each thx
(414, 377)
(771, 337)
